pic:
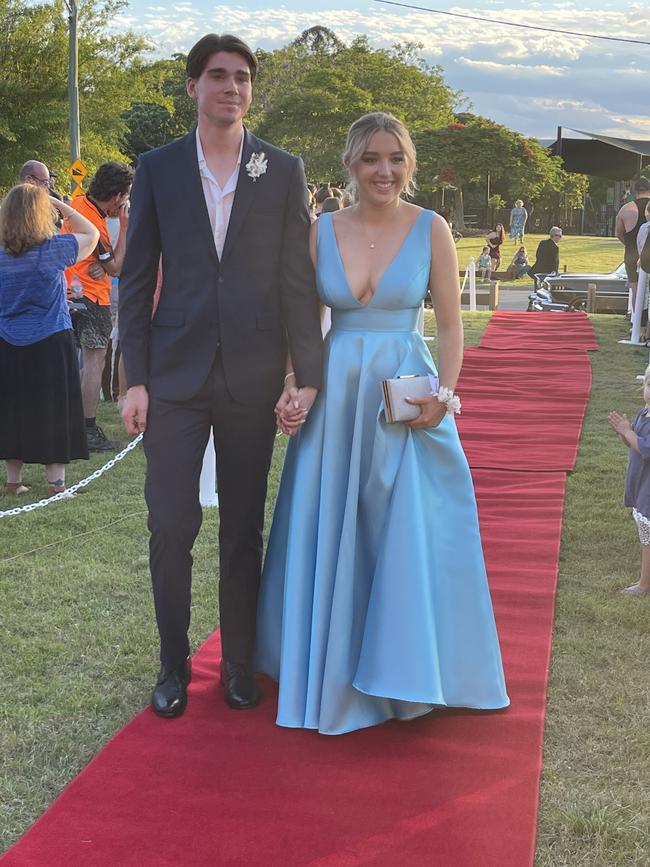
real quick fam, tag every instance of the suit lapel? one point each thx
(195, 194)
(245, 193)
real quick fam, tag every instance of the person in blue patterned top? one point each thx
(39, 375)
(518, 218)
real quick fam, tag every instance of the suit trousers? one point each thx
(174, 444)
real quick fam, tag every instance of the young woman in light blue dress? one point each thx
(374, 601)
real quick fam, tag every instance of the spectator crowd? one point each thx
(60, 261)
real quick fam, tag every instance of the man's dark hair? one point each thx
(209, 45)
(110, 179)
(642, 185)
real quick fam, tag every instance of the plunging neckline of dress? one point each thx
(386, 269)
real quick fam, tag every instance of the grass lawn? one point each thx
(78, 645)
(577, 252)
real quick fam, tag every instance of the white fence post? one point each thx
(208, 482)
(639, 306)
(471, 268)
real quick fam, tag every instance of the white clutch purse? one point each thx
(397, 390)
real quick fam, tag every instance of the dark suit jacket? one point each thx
(260, 296)
(547, 258)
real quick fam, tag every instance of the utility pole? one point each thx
(73, 82)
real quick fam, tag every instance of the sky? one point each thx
(530, 81)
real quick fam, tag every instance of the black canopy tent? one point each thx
(619, 159)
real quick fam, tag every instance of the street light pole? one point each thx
(73, 82)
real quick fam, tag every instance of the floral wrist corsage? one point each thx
(452, 401)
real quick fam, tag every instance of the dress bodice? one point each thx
(399, 293)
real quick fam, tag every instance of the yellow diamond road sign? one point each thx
(77, 171)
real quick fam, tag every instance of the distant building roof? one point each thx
(619, 159)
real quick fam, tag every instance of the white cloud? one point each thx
(437, 32)
(566, 105)
(527, 79)
(634, 121)
(513, 68)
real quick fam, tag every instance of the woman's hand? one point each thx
(432, 411)
(288, 414)
(293, 407)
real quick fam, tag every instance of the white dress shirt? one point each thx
(218, 201)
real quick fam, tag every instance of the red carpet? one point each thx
(509, 329)
(218, 788)
(523, 410)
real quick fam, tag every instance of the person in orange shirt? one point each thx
(107, 196)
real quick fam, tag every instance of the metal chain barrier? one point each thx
(69, 492)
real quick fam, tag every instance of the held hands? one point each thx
(432, 411)
(620, 423)
(293, 406)
(135, 408)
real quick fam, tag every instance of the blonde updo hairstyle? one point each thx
(359, 135)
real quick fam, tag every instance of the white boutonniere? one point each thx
(256, 166)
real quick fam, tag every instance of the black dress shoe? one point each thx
(169, 698)
(240, 689)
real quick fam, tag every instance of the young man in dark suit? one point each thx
(227, 215)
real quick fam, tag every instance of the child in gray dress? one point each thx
(636, 437)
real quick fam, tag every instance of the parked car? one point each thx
(571, 288)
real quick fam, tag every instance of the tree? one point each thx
(309, 93)
(319, 40)
(471, 147)
(152, 124)
(33, 84)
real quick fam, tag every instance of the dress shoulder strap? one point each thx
(324, 226)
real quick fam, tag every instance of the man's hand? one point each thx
(135, 408)
(96, 271)
(288, 414)
(432, 411)
(292, 408)
(123, 215)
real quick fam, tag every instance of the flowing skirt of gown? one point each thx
(374, 601)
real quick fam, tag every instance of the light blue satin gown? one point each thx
(374, 601)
